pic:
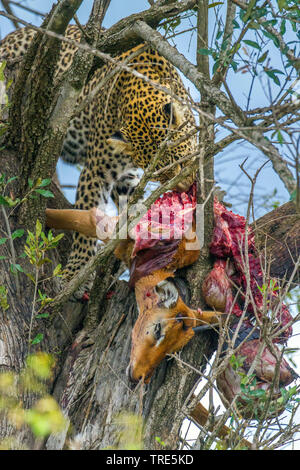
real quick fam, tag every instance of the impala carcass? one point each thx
(163, 241)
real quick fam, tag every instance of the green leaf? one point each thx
(235, 24)
(43, 315)
(280, 138)
(3, 201)
(38, 228)
(30, 182)
(3, 258)
(283, 27)
(224, 45)
(281, 4)
(263, 57)
(43, 261)
(16, 267)
(3, 240)
(158, 439)
(57, 270)
(234, 65)
(57, 238)
(274, 77)
(277, 71)
(219, 34)
(269, 23)
(271, 36)
(205, 51)
(246, 15)
(30, 277)
(18, 234)
(216, 66)
(44, 183)
(259, 393)
(11, 179)
(252, 44)
(39, 337)
(44, 192)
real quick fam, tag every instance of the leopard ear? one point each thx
(119, 143)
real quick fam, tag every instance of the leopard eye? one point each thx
(118, 136)
(169, 112)
(167, 109)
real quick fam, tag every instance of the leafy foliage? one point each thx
(45, 416)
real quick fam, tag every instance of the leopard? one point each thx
(138, 111)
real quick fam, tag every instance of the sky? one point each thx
(227, 170)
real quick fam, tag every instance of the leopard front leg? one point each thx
(92, 192)
(125, 185)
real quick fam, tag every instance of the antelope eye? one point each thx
(157, 331)
(179, 317)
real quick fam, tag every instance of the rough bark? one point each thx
(277, 235)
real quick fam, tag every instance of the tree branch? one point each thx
(6, 5)
(227, 38)
(121, 36)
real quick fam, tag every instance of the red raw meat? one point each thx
(168, 219)
(230, 243)
(266, 368)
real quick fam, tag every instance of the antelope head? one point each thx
(165, 324)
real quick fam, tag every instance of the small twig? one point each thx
(12, 248)
(24, 7)
(33, 306)
(81, 28)
(6, 5)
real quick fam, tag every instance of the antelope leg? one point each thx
(82, 221)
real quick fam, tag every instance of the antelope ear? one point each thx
(183, 289)
(167, 293)
(119, 144)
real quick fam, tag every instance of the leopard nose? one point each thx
(182, 187)
(185, 185)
